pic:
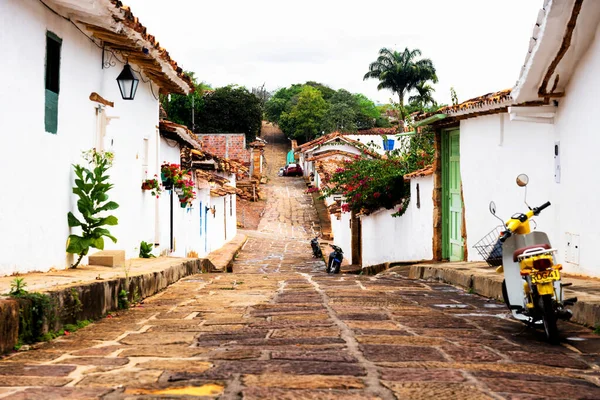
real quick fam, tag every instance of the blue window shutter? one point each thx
(51, 114)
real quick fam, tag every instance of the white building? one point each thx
(332, 144)
(61, 97)
(542, 127)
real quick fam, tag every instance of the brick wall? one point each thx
(227, 145)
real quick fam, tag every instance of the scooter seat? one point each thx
(522, 250)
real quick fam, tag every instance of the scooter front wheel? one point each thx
(549, 317)
(505, 294)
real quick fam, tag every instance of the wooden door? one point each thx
(452, 240)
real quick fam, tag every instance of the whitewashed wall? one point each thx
(38, 224)
(188, 235)
(578, 193)
(493, 151)
(376, 139)
(405, 238)
(342, 234)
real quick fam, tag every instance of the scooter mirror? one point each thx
(522, 180)
(493, 208)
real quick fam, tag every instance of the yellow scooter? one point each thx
(532, 287)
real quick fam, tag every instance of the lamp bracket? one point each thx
(108, 58)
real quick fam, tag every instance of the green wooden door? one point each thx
(452, 241)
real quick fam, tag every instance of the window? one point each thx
(53, 45)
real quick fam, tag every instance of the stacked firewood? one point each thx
(249, 189)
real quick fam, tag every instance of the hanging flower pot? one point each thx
(183, 204)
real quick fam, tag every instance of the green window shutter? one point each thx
(53, 50)
(51, 115)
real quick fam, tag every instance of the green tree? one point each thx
(400, 72)
(340, 117)
(453, 96)
(230, 109)
(305, 119)
(281, 101)
(424, 97)
(179, 107)
(367, 112)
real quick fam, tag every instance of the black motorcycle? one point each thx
(316, 249)
(335, 260)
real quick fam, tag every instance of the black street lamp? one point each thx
(128, 83)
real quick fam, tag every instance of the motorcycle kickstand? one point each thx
(522, 331)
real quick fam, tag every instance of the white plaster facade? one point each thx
(37, 194)
(405, 238)
(493, 151)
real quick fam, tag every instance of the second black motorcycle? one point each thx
(335, 260)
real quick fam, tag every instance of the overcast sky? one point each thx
(477, 46)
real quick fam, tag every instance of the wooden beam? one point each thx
(99, 99)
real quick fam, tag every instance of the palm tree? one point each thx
(401, 72)
(424, 96)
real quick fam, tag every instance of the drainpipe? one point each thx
(157, 201)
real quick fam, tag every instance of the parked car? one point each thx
(292, 170)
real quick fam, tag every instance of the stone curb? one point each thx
(98, 298)
(489, 284)
(222, 259)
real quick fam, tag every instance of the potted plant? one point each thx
(153, 185)
(187, 194)
(170, 173)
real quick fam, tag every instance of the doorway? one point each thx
(452, 205)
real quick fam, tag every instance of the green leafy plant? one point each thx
(123, 301)
(146, 250)
(91, 186)
(36, 310)
(17, 287)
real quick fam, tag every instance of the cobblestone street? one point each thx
(278, 327)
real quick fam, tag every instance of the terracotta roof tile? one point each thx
(500, 98)
(133, 23)
(326, 138)
(180, 133)
(421, 172)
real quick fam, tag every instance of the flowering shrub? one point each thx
(312, 190)
(368, 185)
(153, 185)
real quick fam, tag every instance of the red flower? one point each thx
(376, 195)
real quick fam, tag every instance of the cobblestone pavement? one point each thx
(278, 327)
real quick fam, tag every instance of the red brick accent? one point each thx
(226, 145)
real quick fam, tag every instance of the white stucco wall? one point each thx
(493, 151)
(342, 234)
(376, 139)
(405, 238)
(578, 193)
(34, 221)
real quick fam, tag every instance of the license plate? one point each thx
(545, 276)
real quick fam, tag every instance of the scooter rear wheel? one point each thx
(549, 316)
